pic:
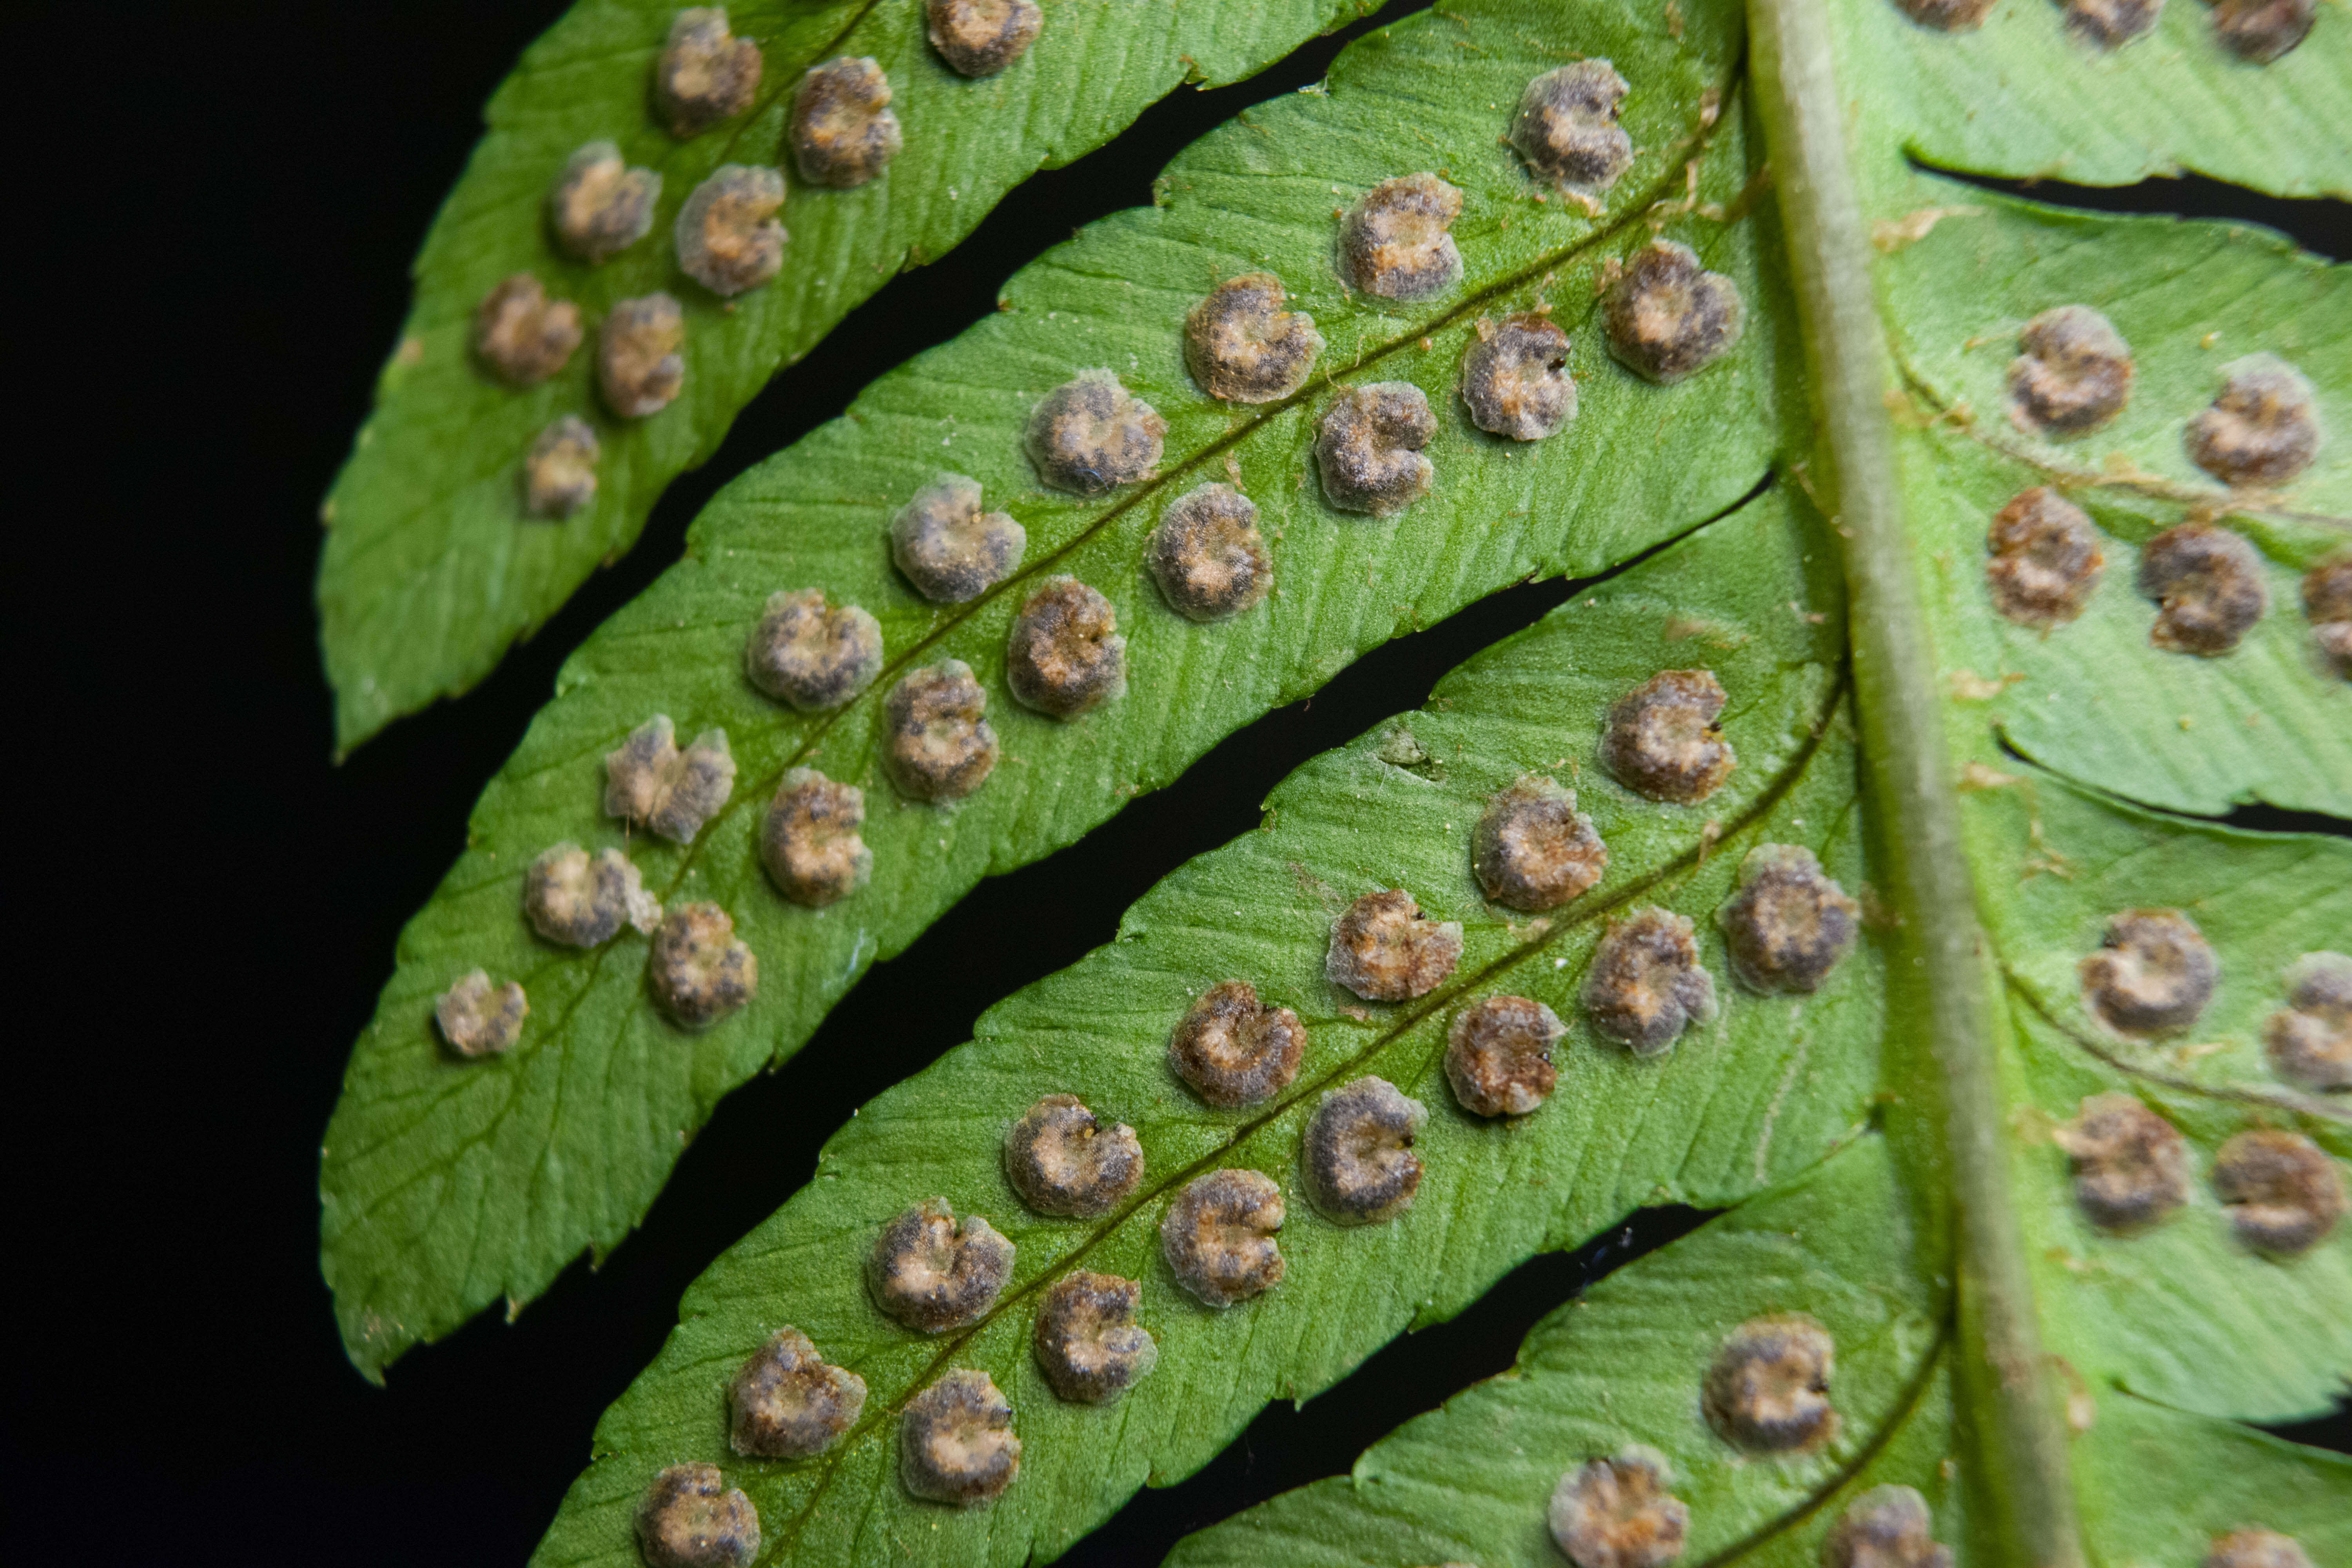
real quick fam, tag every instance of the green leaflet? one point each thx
(1622, 1364)
(2168, 1483)
(2022, 96)
(1470, 1483)
(2181, 1314)
(1964, 271)
(446, 1186)
(430, 568)
(2268, 721)
(1753, 1098)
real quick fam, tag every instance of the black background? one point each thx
(210, 210)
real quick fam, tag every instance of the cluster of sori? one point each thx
(1664, 317)
(2072, 377)
(2257, 31)
(1786, 927)
(2150, 980)
(727, 237)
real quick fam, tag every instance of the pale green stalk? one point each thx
(2020, 1445)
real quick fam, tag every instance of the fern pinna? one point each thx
(1824, 865)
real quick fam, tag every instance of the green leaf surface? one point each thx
(1752, 1097)
(2183, 1313)
(2022, 97)
(431, 569)
(2268, 721)
(449, 1184)
(2142, 1325)
(2167, 1484)
(2162, 1339)
(1972, 1298)
(1622, 1364)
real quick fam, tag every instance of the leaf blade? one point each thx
(428, 571)
(1622, 1364)
(425, 1158)
(2022, 97)
(1469, 1482)
(1719, 1120)
(2181, 1314)
(2092, 699)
